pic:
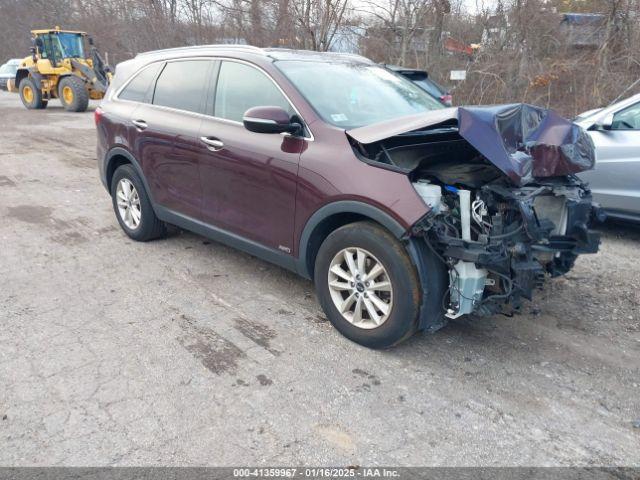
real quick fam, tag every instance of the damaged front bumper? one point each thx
(511, 239)
(505, 207)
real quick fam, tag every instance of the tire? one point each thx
(401, 320)
(31, 95)
(73, 94)
(148, 227)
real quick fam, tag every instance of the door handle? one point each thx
(141, 124)
(213, 144)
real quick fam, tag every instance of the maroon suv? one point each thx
(403, 212)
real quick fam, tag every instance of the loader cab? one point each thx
(57, 45)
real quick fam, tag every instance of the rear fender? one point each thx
(112, 157)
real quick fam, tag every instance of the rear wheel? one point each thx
(367, 285)
(73, 94)
(132, 206)
(31, 95)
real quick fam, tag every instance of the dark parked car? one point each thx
(403, 212)
(8, 72)
(422, 79)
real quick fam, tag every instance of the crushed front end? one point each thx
(499, 243)
(505, 207)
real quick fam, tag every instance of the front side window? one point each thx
(47, 49)
(241, 87)
(352, 95)
(181, 85)
(627, 119)
(140, 89)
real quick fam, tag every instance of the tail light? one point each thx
(97, 115)
(447, 99)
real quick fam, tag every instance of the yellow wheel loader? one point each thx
(59, 68)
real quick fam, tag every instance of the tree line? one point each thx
(571, 55)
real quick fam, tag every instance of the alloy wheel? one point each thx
(128, 202)
(360, 288)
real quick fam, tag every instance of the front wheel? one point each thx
(31, 95)
(73, 94)
(367, 285)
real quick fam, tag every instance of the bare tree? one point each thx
(523, 55)
(401, 20)
(318, 20)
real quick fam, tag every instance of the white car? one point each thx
(615, 181)
(8, 72)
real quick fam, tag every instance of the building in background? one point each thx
(584, 29)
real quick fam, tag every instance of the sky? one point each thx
(474, 5)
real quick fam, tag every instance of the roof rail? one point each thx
(277, 52)
(221, 46)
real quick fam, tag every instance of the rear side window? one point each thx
(140, 89)
(181, 85)
(241, 87)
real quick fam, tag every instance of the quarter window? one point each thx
(241, 87)
(140, 88)
(181, 85)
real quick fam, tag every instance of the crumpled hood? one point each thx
(524, 141)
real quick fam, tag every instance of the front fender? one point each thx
(342, 207)
(20, 74)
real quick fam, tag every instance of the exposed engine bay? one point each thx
(500, 224)
(500, 243)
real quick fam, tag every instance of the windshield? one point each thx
(351, 95)
(71, 44)
(8, 68)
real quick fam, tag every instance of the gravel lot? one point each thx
(186, 352)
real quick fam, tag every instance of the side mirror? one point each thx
(605, 122)
(39, 43)
(269, 120)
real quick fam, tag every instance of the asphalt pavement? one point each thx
(186, 352)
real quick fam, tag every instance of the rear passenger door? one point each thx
(167, 129)
(249, 179)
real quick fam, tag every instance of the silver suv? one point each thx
(615, 181)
